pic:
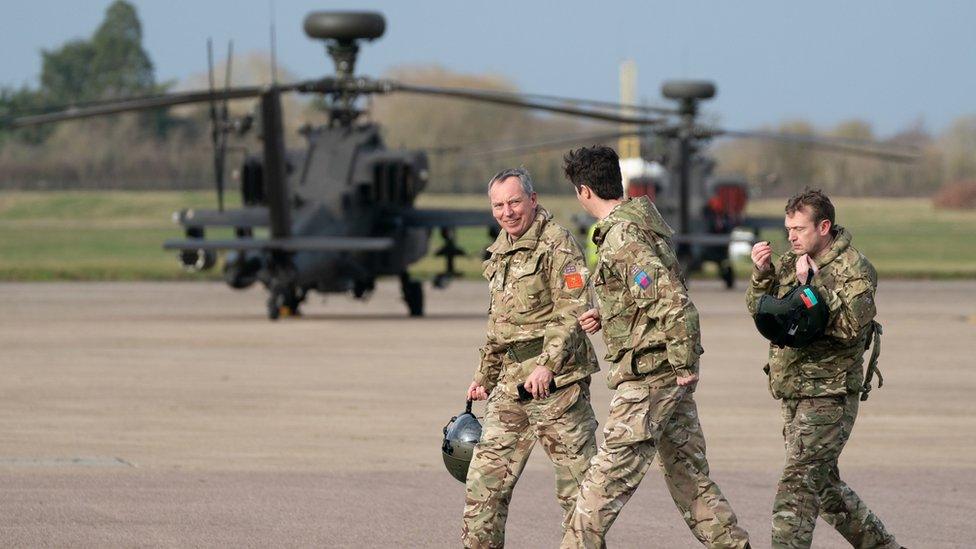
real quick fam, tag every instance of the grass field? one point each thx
(118, 235)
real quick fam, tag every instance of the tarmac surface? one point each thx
(175, 414)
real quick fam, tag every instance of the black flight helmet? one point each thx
(796, 320)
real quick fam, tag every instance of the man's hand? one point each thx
(477, 392)
(687, 380)
(590, 321)
(538, 382)
(803, 266)
(762, 254)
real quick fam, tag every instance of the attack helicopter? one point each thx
(709, 207)
(340, 213)
(707, 211)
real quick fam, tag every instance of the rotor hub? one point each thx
(342, 31)
(688, 93)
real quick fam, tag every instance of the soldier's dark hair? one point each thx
(598, 168)
(816, 202)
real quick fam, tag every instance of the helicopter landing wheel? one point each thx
(284, 302)
(413, 294)
(443, 280)
(274, 307)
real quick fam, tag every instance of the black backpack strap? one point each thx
(874, 341)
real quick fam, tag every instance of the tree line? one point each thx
(780, 168)
(466, 141)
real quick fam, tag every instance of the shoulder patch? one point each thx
(572, 277)
(641, 278)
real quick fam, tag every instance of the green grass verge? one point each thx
(119, 235)
(903, 237)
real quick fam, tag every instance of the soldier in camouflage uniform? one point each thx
(652, 334)
(819, 384)
(537, 278)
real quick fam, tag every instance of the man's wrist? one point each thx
(762, 272)
(482, 380)
(546, 368)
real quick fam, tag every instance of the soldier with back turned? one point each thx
(652, 334)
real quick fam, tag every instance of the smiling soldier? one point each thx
(537, 280)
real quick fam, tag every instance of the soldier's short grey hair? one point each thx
(521, 173)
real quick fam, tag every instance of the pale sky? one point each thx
(887, 62)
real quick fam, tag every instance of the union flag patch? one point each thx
(572, 277)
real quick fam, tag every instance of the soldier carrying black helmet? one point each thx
(819, 378)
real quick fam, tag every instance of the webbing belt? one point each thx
(521, 351)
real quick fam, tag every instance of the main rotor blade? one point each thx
(856, 147)
(544, 145)
(289, 244)
(477, 146)
(594, 102)
(516, 100)
(141, 104)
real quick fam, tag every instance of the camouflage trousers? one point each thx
(564, 424)
(815, 431)
(644, 420)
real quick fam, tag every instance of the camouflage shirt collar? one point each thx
(603, 226)
(842, 240)
(527, 241)
(640, 211)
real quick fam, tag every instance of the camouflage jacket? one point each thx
(538, 288)
(833, 365)
(649, 323)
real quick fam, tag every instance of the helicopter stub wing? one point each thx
(293, 244)
(706, 239)
(758, 223)
(448, 218)
(244, 217)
